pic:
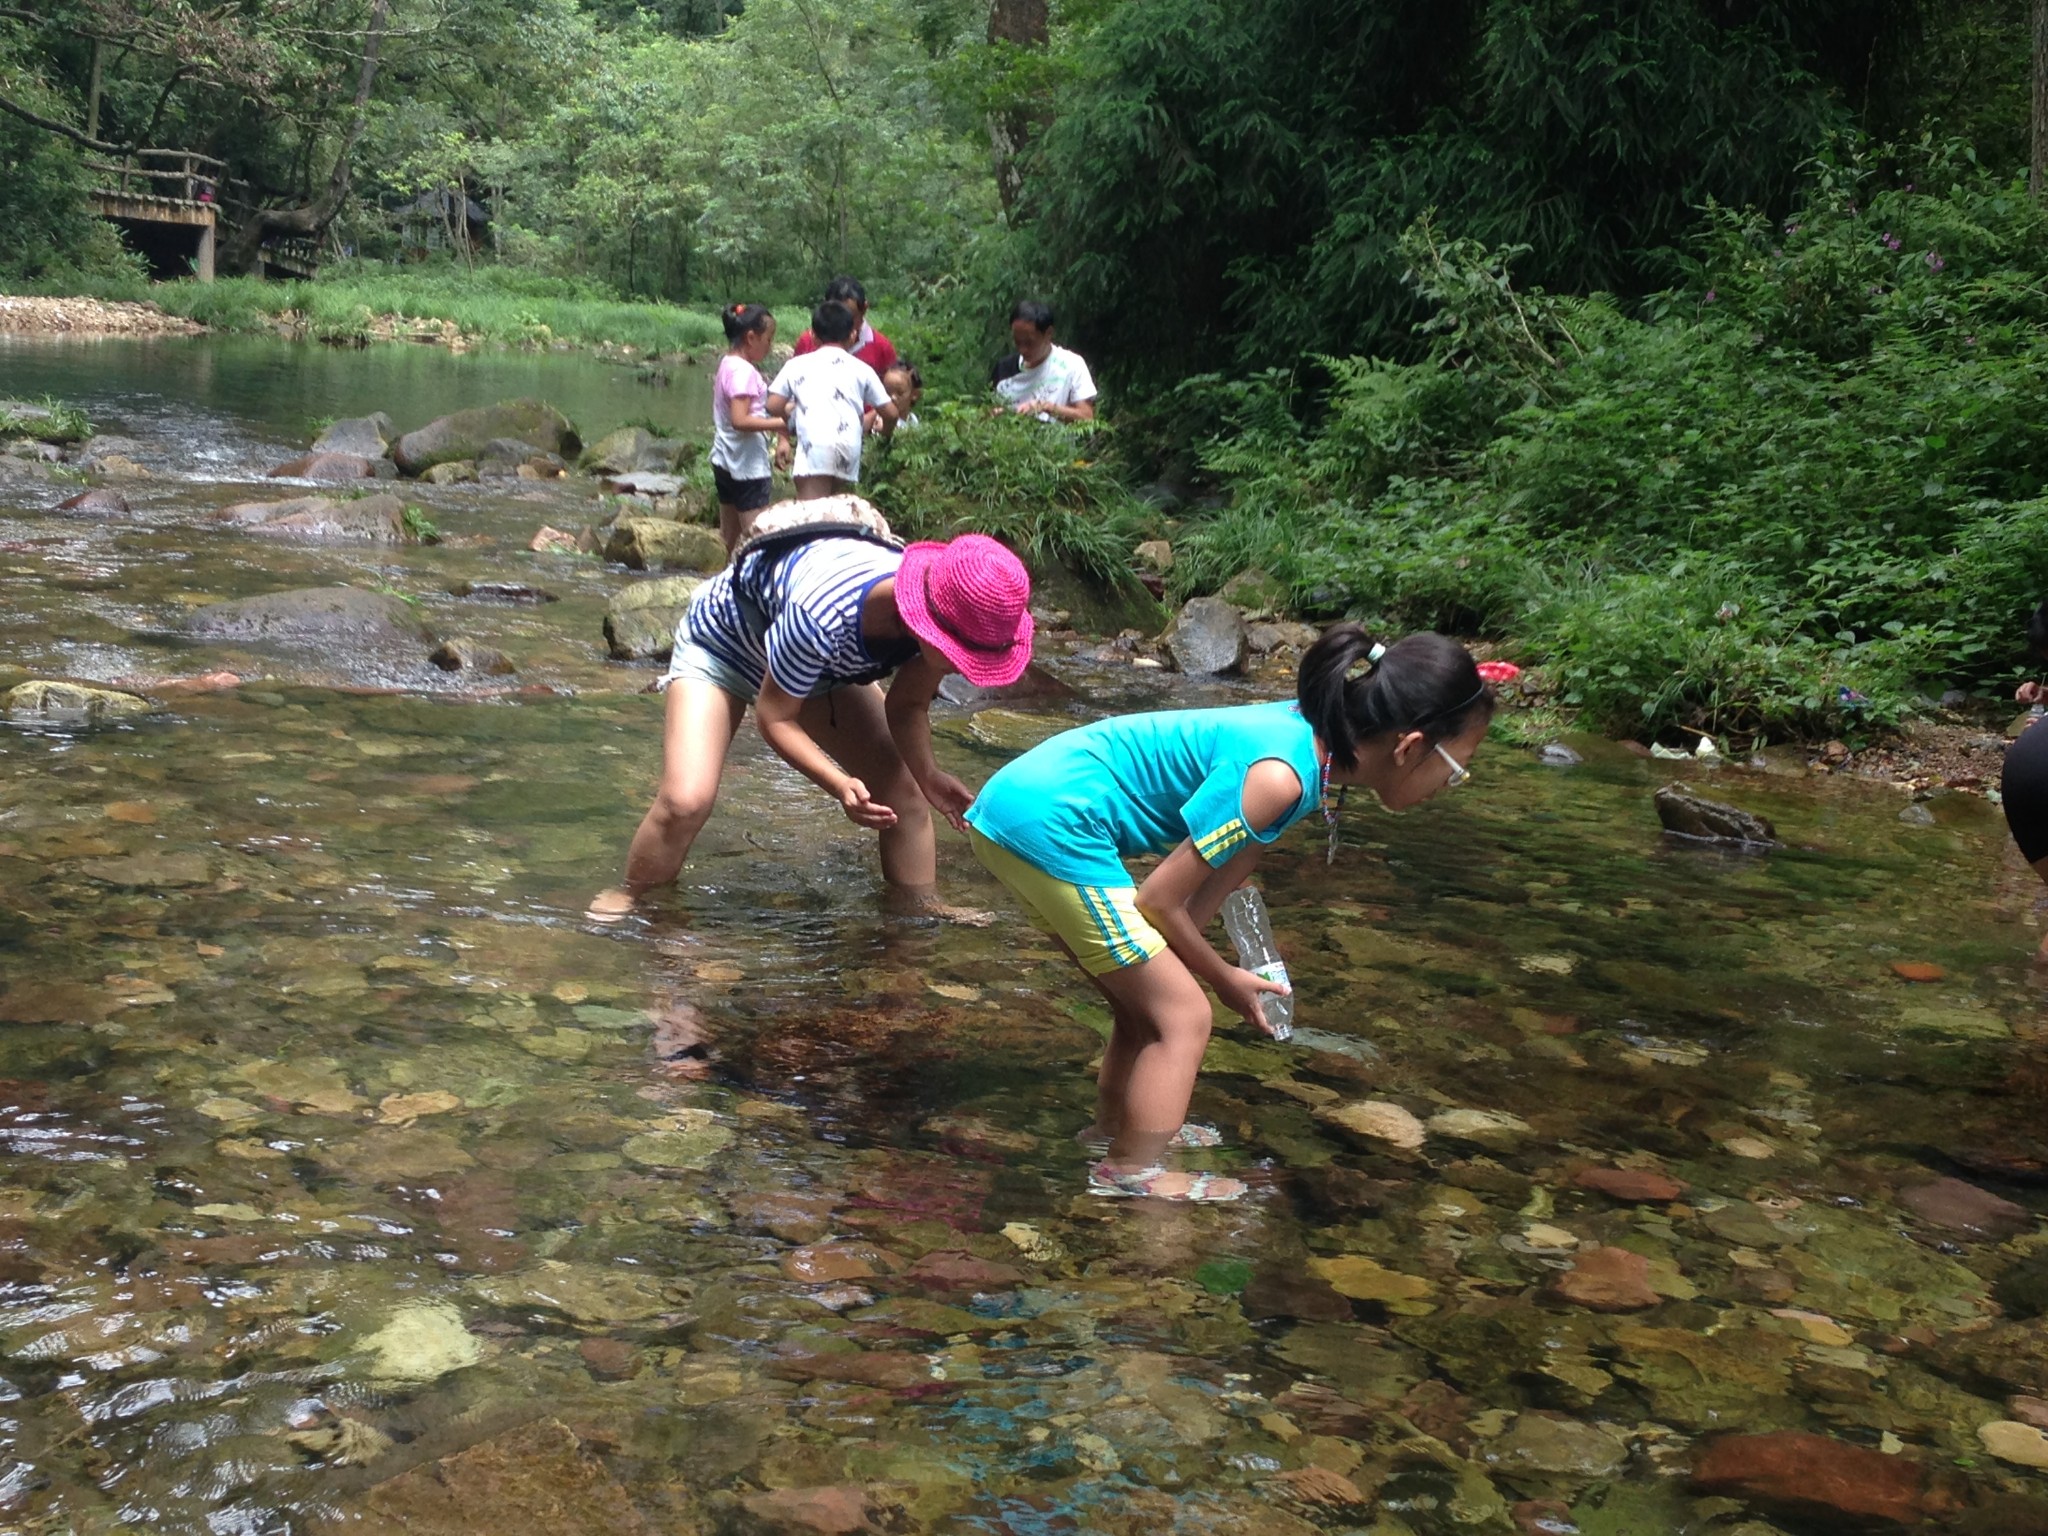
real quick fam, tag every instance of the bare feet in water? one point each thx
(910, 902)
(681, 1046)
(609, 906)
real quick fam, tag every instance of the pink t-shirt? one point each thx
(743, 455)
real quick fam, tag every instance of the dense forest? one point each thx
(1690, 344)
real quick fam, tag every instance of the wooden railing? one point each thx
(176, 175)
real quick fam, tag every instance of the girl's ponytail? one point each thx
(742, 320)
(1351, 689)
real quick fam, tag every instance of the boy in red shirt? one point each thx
(869, 344)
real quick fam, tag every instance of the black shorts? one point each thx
(742, 495)
(2024, 787)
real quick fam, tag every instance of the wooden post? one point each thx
(92, 90)
(2037, 178)
(202, 263)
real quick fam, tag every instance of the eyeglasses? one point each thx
(1459, 772)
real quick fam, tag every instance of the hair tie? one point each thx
(1378, 650)
(1359, 670)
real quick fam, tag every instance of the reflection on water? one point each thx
(351, 1179)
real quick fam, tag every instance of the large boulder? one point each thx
(371, 520)
(641, 623)
(465, 434)
(331, 466)
(1687, 813)
(71, 701)
(1206, 637)
(368, 437)
(308, 615)
(635, 450)
(654, 544)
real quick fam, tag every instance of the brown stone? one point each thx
(1542, 1517)
(1321, 1411)
(537, 1478)
(1801, 1476)
(1965, 1208)
(1289, 1290)
(325, 466)
(1630, 1184)
(609, 1359)
(1606, 1280)
(1316, 1486)
(890, 1370)
(819, 1263)
(793, 1217)
(1917, 970)
(954, 1270)
(833, 1511)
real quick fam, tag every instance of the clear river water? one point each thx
(349, 1181)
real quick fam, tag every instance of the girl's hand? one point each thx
(2031, 693)
(1240, 993)
(862, 809)
(784, 453)
(950, 798)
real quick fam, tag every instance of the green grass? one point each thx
(495, 303)
(51, 421)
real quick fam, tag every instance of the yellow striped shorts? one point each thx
(1101, 924)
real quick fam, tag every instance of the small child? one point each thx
(741, 466)
(825, 396)
(906, 387)
(1213, 786)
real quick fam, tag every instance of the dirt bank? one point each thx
(89, 317)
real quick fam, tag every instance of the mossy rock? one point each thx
(72, 701)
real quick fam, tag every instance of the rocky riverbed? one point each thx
(30, 315)
(1613, 1183)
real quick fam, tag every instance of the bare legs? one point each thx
(700, 722)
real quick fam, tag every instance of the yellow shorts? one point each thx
(1101, 924)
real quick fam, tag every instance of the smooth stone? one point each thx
(516, 592)
(370, 520)
(422, 1341)
(509, 458)
(635, 450)
(453, 472)
(328, 466)
(2022, 1444)
(1268, 636)
(308, 614)
(640, 624)
(1965, 1208)
(822, 1263)
(583, 1293)
(97, 503)
(1792, 1474)
(1606, 1280)
(1376, 1120)
(1481, 1125)
(951, 1270)
(368, 437)
(1554, 1447)
(464, 434)
(642, 484)
(609, 1359)
(1687, 813)
(655, 544)
(1154, 555)
(1363, 1279)
(1636, 1185)
(1207, 637)
(72, 701)
(461, 655)
(1917, 970)
(149, 871)
(841, 1510)
(1556, 754)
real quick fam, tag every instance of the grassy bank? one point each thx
(356, 302)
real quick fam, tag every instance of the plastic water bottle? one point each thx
(1251, 930)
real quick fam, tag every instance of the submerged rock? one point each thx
(641, 623)
(422, 1341)
(1635, 1185)
(1965, 1208)
(1376, 1120)
(1606, 1280)
(1799, 1476)
(1556, 1447)
(654, 544)
(535, 1479)
(308, 614)
(99, 503)
(517, 592)
(1687, 813)
(71, 701)
(370, 520)
(454, 472)
(1208, 637)
(461, 655)
(465, 434)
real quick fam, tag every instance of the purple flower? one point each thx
(1934, 261)
(1892, 241)
(1712, 295)
(1792, 229)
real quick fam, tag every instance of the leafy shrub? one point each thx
(1055, 494)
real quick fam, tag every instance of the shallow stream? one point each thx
(348, 1176)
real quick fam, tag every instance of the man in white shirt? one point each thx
(1042, 380)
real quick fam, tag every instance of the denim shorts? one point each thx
(690, 662)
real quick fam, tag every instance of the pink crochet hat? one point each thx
(971, 599)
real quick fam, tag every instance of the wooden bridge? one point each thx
(157, 193)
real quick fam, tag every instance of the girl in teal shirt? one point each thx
(1210, 789)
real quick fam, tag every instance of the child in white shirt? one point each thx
(826, 396)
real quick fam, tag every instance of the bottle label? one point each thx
(1273, 970)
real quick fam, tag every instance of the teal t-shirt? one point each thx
(1078, 805)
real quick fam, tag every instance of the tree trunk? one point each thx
(2037, 180)
(245, 251)
(92, 91)
(1023, 24)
